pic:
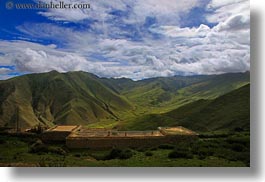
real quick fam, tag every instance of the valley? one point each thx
(217, 107)
(81, 98)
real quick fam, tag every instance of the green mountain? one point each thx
(83, 98)
(227, 112)
(55, 98)
(180, 90)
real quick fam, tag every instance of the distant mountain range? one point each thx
(205, 102)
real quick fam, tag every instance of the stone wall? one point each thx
(58, 135)
(54, 136)
(125, 142)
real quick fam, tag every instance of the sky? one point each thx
(135, 39)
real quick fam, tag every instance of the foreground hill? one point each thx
(227, 112)
(83, 98)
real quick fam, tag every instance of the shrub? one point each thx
(119, 154)
(114, 154)
(77, 155)
(238, 129)
(244, 140)
(2, 141)
(238, 147)
(244, 157)
(148, 154)
(166, 146)
(99, 156)
(180, 154)
(126, 154)
(206, 151)
(153, 149)
(201, 156)
(56, 150)
(39, 147)
(140, 150)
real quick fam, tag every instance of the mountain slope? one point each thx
(179, 90)
(71, 98)
(229, 111)
(226, 112)
(83, 98)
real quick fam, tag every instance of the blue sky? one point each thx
(127, 38)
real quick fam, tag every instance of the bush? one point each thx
(119, 154)
(114, 154)
(202, 156)
(39, 147)
(244, 140)
(56, 150)
(77, 155)
(153, 149)
(238, 147)
(180, 154)
(140, 150)
(2, 141)
(148, 154)
(203, 151)
(126, 154)
(238, 129)
(244, 157)
(166, 146)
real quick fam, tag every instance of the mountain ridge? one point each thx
(84, 98)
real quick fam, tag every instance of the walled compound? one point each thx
(80, 137)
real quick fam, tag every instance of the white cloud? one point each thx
(198, 50)
(4, 71)
(175, 31)
(227, 8)
(219, 4)
(32, 57)
(233, 23)
(165, 11)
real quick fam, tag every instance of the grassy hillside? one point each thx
(83, 98)
(55, 98)
(159, 95)
(227, 112)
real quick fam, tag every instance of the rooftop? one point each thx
(63, 128)
(103, 133)
(110, 133)
(179, 130)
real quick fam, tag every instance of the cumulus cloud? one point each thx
(164, 49)
(168, 10)
(227, 8)
(137, 10)
(233, 23)
(4, 71)
(32, 57)
(176, 31)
